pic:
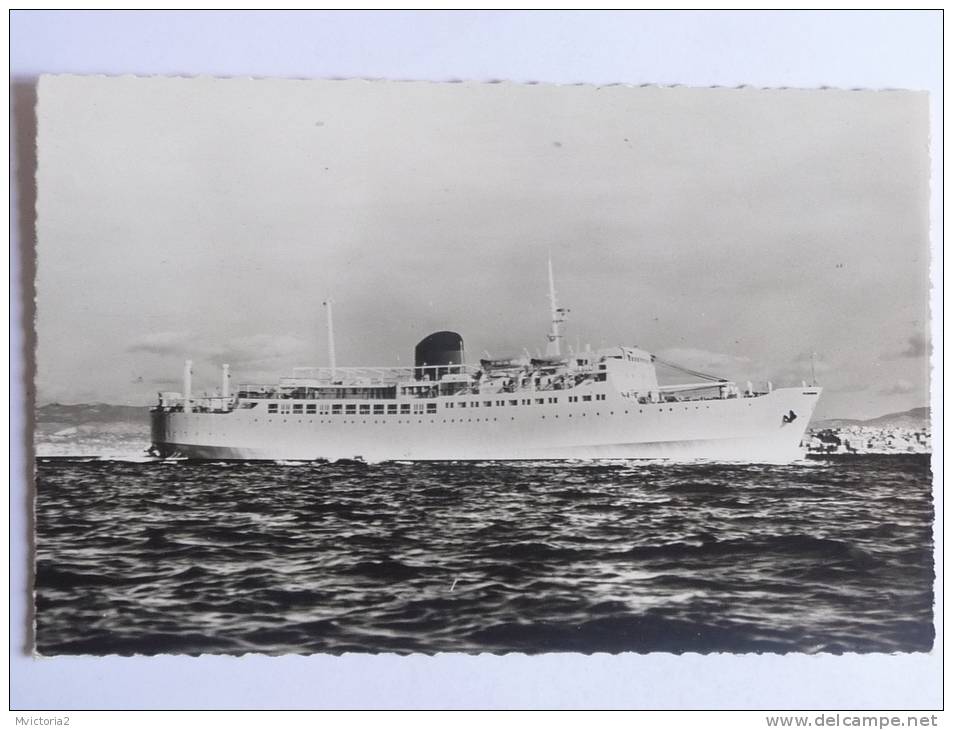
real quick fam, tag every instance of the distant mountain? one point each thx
(91, 429)
(914, 418)
(87, 413)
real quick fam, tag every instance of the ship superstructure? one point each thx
(588, 404)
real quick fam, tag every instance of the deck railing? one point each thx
(378, 374)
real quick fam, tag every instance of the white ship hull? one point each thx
(749, 429)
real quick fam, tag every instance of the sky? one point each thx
(735, 231)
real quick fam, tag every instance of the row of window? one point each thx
(507, 402)
(380, 409)
(363, 409)
(393, 409)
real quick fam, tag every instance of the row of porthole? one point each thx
(570, 415)
(452, 420)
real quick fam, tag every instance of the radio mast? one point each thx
(558, 317)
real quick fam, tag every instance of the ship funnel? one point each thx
(187, 387)
(436, 354)
(225, 378)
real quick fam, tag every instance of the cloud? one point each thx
(249, 349)
(253, 358)
(852, 387)
(262, 350)
(917, 346)
(819, 360)
(901, 386)
(161, 343)
(715, 363)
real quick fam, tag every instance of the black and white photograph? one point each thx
(353, 366)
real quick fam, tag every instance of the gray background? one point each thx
(732, 231)
(845, 49)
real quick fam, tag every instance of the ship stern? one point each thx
(159, 427)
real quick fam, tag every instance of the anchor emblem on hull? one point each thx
(791, 415)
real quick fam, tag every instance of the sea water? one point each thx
(830, 555)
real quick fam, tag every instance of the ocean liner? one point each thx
(582, 404)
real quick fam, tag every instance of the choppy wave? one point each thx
(231, 557)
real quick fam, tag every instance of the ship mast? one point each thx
(331, 359)
(187, 387)
(558, 317)
(225, 381)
